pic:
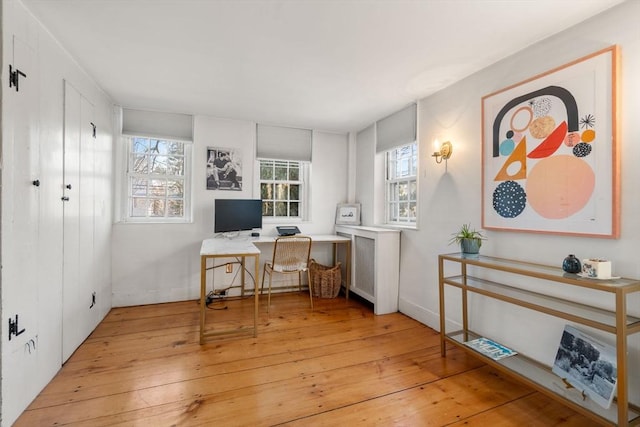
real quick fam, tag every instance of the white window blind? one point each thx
(397, 129)
(153, 123)
(282, 143)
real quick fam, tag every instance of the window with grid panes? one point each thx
(157, 180)
(282, 188)
(402, 185)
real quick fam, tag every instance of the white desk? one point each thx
(324, 238)
(246, 247)
(227, 248)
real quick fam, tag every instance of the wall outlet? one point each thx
(229, 268)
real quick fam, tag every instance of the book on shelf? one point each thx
(490, 348)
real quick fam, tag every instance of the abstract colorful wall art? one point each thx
(549, 157)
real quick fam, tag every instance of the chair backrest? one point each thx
(291, 253)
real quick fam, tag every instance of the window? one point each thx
(283, 188)
(402, 185)
(157, 180)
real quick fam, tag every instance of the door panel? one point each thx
(86, 193)
(20, 231)
(71, 332)
(79, 317)
(364, 267)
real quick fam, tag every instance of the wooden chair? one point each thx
(290, 256)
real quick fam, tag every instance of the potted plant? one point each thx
(468, 238)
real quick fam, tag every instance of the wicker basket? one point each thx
(325, 281)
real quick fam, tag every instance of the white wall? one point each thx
(30, 360)
(155, 263)
(365, 142)
(451, 196)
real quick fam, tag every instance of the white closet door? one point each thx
(20, 233)
(86, 193)
(79, 317)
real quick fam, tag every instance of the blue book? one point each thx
(490, 348)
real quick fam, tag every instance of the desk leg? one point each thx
(256, 263)
(203, 295)
(348, 268)
(242, 275)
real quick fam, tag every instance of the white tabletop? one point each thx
(368, 228)
(245, 245)
(326, 238)
(228, 247)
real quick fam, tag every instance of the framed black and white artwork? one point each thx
(588, 365)
(224, 169)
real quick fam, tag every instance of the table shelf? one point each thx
(540, 377)
(570, 310)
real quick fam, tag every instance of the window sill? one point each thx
(283, 221)
(399, 226)
(151, 222)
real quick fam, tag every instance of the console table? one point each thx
(469, 279)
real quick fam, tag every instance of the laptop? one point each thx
(288, 230)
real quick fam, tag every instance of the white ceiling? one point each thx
(321, 64)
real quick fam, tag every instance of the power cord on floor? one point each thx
(218, 297)
(216, 300)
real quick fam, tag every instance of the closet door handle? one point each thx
(68, 186)
(36, 182)
(64, 198)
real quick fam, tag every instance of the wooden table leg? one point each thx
(348, 268)
(256, 262)
(203, 295)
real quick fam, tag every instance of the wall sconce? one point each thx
(443, 152)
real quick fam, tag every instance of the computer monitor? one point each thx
(237, 215)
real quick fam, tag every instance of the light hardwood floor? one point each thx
(336, 365)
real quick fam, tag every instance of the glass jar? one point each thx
(571, 264)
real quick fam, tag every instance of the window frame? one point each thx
(304, 193)
(391, 183)
(127, 175)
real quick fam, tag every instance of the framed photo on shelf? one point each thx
(588, 365)
(348, 214)
(549, 151)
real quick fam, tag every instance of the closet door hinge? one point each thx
(14, 330)
(14, 77)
